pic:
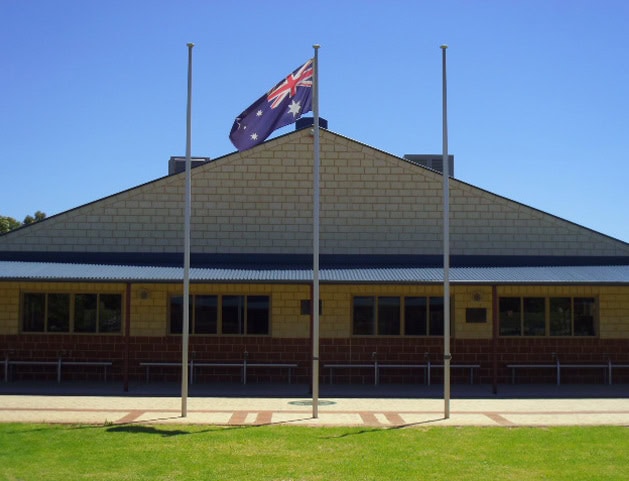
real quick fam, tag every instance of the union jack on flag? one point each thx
(282, 105)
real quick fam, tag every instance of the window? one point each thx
(238, 314)
(560, 316)
(394, 316)
(389, 316)
(416, 315)
(34, 313)
(80, 313)
(554, 316)
(534, 314)
(364, 315)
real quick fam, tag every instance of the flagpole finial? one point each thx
(316, 46)
(444, 46)
(190, 45)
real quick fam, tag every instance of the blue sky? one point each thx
(93, 92)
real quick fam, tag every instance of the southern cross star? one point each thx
(294, 108)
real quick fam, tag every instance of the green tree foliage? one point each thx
(29, 219)
(9, 223)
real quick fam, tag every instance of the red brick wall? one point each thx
(350, 350)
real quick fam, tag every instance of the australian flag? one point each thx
(282, 105)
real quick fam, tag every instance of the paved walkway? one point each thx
(339, 406)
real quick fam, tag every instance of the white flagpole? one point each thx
(186, 243)
(315, 237)
(446, 247)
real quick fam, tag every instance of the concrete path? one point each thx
(339, 406)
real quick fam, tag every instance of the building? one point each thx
(102, 282)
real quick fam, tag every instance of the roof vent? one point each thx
(432, 161)
(177, 165)
(306, 122)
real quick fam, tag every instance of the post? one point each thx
(315, 238)
(446, 246)
(186, 256)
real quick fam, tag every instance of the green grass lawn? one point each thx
(35, 452)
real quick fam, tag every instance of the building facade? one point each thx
(102, 282)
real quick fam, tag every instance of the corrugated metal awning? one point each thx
(47, 271)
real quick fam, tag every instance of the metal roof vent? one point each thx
(432, 161)
(306, 122)
(177, 164)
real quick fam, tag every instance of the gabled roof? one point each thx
(257, 201)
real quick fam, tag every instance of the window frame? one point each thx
(69, 317)
(550, 319)
(372, 310)
(245, 313)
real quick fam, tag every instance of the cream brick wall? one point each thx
(614, 309)
(9, 308)
(150, 304)
(260, 201)
(472, 297)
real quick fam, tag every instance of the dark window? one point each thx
(364, 315)
(389, 316)
(584, 316)
(534, 316)
(109, 313)
(422, 316)
(560, 316)
(510, 317)
(205, 314)
(85, 312)
(257, 314)
(239, 314)
(91, 313)
(34, 313)
(566, 316)
(233, 314)
(436, 316)
(58, 313)
(416, 316)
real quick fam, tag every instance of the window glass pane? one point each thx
(389, 316)
(560, 316)
(415, 316)
(436, 316)
(58, 312)
(176, 314)
(110, 313)
(233, 311)
(364, 315)
(33, 312)
(509, 308)
(534, 316)
(257, 314)
(85, 312)
(205, 314)
(584, 312)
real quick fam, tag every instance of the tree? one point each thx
(39, 215)
(9, 223)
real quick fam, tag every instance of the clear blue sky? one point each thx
(93, 92)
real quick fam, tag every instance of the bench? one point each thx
(377, 366)
(558, 366)
(242, 365)
(59, 363)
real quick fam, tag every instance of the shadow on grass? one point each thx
(143, 429)
(381, 429)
